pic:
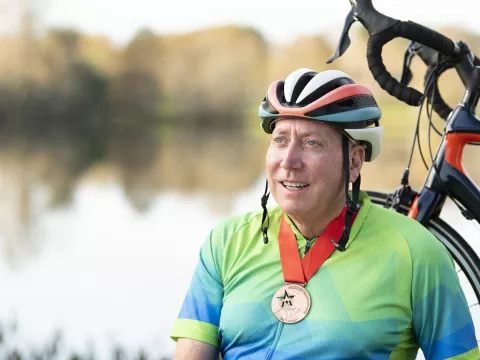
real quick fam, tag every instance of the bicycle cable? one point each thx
(416, 139)
(431, 103)
(429, 115)
(431, 81)
(465, 212)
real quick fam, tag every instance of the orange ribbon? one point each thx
(296, 270)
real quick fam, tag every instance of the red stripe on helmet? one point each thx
(342, 92)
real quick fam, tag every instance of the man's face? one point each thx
(304, 167)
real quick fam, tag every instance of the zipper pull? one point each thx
(307, 246)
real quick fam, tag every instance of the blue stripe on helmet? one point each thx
(263, 113)
(362, 114)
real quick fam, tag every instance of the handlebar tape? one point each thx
(439, 105)
(414, 32)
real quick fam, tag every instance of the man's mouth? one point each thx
(292, 185)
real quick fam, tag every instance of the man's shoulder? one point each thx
(246, 224)
(422, 244)
(393, 220)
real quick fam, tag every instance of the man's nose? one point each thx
(292, 157)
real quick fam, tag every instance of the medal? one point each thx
(291, 302)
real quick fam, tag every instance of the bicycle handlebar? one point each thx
(439, 105)
(431, 58)
(383, 29)
(415, 33)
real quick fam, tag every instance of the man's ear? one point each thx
(357, 157)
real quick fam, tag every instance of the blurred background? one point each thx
(129, 129)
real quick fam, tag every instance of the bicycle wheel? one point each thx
(467, 262)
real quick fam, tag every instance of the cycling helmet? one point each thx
(333, 98)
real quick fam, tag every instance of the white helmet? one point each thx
(331, 97)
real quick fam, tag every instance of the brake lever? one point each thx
(428, 55)
(374, 21)
(407, 75)
(371, 19)
(344, 41)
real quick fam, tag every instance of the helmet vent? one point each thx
(325, 89)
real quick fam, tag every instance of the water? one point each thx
(107, 274)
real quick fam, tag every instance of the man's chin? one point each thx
(292, 208)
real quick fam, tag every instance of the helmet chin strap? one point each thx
(265, 197)
(352, 203)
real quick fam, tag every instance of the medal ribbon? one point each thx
(300, 271)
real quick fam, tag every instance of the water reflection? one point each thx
(106, 273)
(33, 182)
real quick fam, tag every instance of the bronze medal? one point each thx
(291, 303)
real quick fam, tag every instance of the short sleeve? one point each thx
(199, 316)
(441, 317)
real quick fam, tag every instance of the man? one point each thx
(325, 275)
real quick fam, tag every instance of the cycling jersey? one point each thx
(392, 291)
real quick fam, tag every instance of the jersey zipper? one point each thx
(275, 341)
(307, 246)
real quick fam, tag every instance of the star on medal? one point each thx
(286, 299)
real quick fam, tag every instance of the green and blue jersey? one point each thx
(393, 291)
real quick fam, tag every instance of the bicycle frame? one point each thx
(447, 176)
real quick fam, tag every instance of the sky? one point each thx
(278, 21)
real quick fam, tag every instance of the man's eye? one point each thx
(278, 140)
(312, 142)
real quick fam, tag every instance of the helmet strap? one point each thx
(265, 216)
(351, 203)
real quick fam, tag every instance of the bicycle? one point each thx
(446, 177)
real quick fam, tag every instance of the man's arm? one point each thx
(188, 349)
(441, 316)
(197, 327)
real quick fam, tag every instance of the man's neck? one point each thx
(313, 226)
